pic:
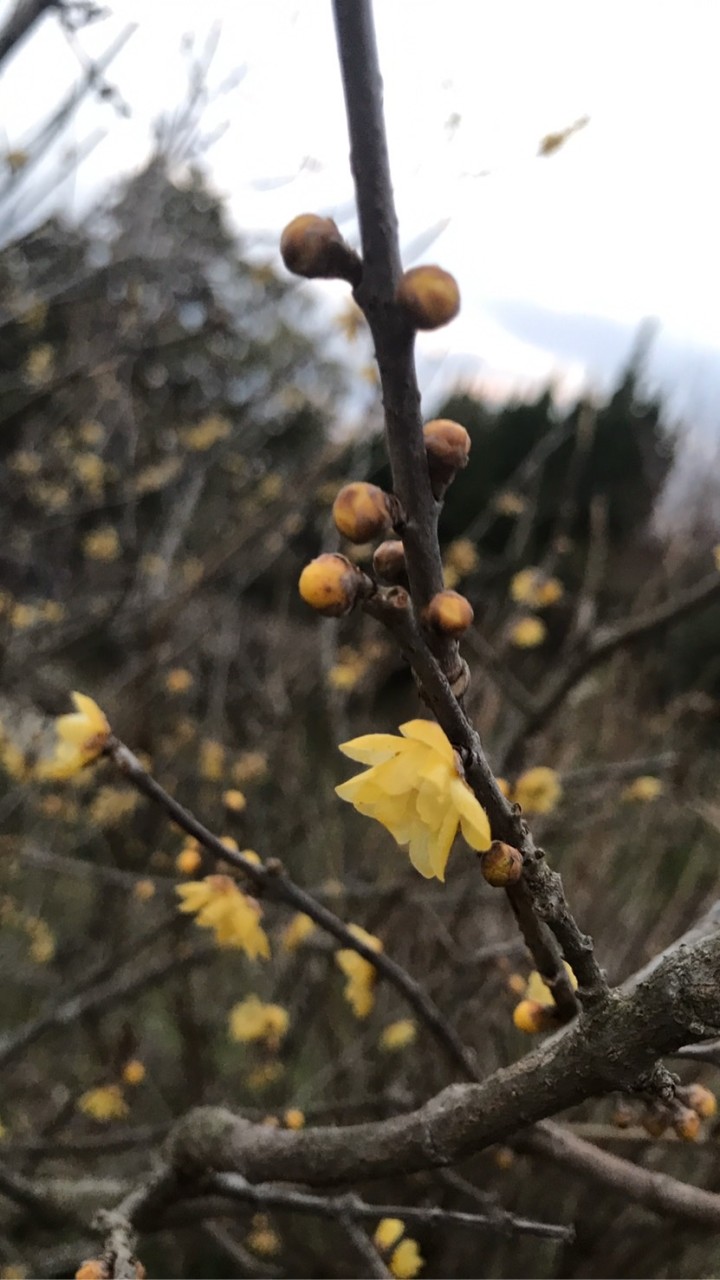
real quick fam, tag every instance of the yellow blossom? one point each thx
(266, 1074)
(251, 766)
(133, 1072)
(206, 433)
(104, 1103)
(23, 616)
(348, 670)
(462, 556)
(509, 503)
(645, 788)
(144, 890)
(451, 577)
(262, 1238)
(296, 931)
(234, 917)
(81, 738)
(535, 589)
(234, 801)
(40, 364)
(537, 790)
(42, 941)
(360, 973)
(188, 860)
(527, 632)
(253, 1020)
(90, 471)
(388, 1232)
(90, 432)
(102, 544)
(112, 804)
(179, 680)
(406, 1261)
(212, 756)
(398, 1035)
(415, 790)
(294, 1118)
(530, 1014)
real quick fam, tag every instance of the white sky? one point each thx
(622, 223)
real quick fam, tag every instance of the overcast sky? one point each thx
(619, 225)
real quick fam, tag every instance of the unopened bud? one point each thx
(389, 561)
(360, 511)
(429, 296)
(532, 1017)
(93, 1269)
(447, 445)
(448, 613)
(330, 584)
(702, 1100)
(687, 1124)
(313, 247)
(656, 1121)
(501, 864)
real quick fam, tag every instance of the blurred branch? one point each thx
(20, 22)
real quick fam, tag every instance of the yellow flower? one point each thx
(405, 1260)
(212, 756)
(218, 904)
(251, 766)
(398, 1035)
(235, 801)
(188, 860)
(415, 790)
(144, 890)
(294, 1118)
(528, 632)
(206, 433)
(533, 588)
(266, 1074)
(82, 737)
(133, 1072)
(645, 788)
(102, 544)
(42, 942)
(104, 1103)
(253, 1020)
(40, 364)
(262, 1239)
(360, 973)
(462, 556)
(112, 804)
(538, 790)
(534, 1012)
(296, 931)
(179, 680)
(510, 504)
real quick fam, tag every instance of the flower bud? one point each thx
(501, 864)
(360, 511)
(447, 446)
(656, 1121)
(532, 1017)
(702, 1100)
(448, 613)
(330, 584)
(313, 247)
(389, 561)
(686, 1124)
(429, 296)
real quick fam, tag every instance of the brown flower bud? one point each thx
(313, 247)
(501, 864)
(447, 446)
(330, 584)
(389, 561)
(360, 511)
(429, 296)
(687, 1124)
(448, 613)
(702, 1100)
(532, 1017)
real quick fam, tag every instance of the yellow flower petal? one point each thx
(473, 818)
(372, 748)
(430, 733)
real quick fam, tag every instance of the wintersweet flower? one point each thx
(104, 1103)
(537, 790)
(82, 737)
(218, 904)
(536, 1011)
(414, 788)
(403, 1255)
(360, 973)
(528, 633)
(398, 1035)
(253, 1020)
(644, 788)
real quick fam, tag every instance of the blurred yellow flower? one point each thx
(527, 633)
(102, 544)
(405, 1260)
(644, 788)
(294, 1118)
(398, 1035)
(266, 1074)
(188, 860)
(462, 556)
(42, 941)
(179, 680)
(81, 737)
(388, 1232)
(509, 503)
(40, 364)
(218, 904)
(206, 433)
(348, 670)
(234, 801)
(262, 1238)
(531, 1014)
(360, 973)
(112, 804)
(296, 931)
(535, 589)
(212, 758)
(415, 790)
(144, 890)
(104, 1103)
(133, 1073)
(537, 790)
(251, 766)
(253, 1020)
